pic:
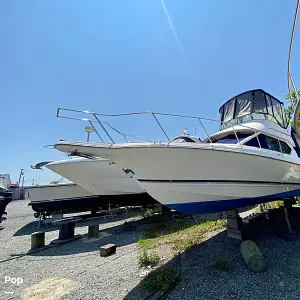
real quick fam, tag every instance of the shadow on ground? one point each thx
(121, 235)
(203, 275)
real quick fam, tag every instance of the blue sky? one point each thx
(121, 55)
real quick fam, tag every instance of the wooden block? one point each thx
(93, 231)
(108, 249)
(233, 223)
(234, 234)
(37, 240)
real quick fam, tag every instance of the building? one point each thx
(17, 192)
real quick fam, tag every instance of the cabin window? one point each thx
(285, 148)
(231, 138)
(184, 139)
(267, 142)
(272, 144)
(253, 143)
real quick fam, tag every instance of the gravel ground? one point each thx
(89, 275)
(76, 270)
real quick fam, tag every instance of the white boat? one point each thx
(94, 183)
(98, 176)
(252, 159)
(58, 197)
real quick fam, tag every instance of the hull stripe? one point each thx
(219, 181)
(223, 205)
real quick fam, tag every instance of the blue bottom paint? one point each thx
(222, 205)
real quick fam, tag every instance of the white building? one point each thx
(5, 180)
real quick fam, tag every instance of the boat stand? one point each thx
(238, 226)
(54, 217)
(128, 211)
(109, 214)
(66, 229)
(234, 225)
(38, 221)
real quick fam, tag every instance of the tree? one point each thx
(289, 109)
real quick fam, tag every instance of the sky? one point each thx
(121, 56)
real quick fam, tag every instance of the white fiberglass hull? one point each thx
(98, 176)
(201, 178)
(61, 197)
(55, 192)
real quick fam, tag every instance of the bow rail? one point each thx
(155, 115)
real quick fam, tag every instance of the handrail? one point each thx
(125, 135)
(154, 115)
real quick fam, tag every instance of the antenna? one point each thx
(295, 106)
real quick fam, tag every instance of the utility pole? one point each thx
(21, 174)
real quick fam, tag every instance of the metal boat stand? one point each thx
(128, 211)
(109, 214)
(38, 221)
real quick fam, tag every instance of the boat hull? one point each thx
(193, 197)
(98, 176)
(70, 198)
(200, 178)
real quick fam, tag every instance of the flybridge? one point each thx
(253, 105)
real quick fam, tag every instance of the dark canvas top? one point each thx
(252, 105)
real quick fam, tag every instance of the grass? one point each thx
(271, 205)
(275, 204)
(148, 213)
(161, 279)
(223, 265)
(149, 258)
(180, 235)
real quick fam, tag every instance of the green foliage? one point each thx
(161, 279)
(289, 110)
(180, 235)
(148, 213)
(149, 258)
(275, 204)
(223, 265)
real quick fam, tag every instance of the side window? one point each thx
(285, 148)
(272, 144)
(253, 143)
(269, 143)
(262, 142)
(231, 138)
(183, 140)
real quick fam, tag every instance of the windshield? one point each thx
(252, 105)
(231, 138)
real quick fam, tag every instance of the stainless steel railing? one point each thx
(96, 119)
